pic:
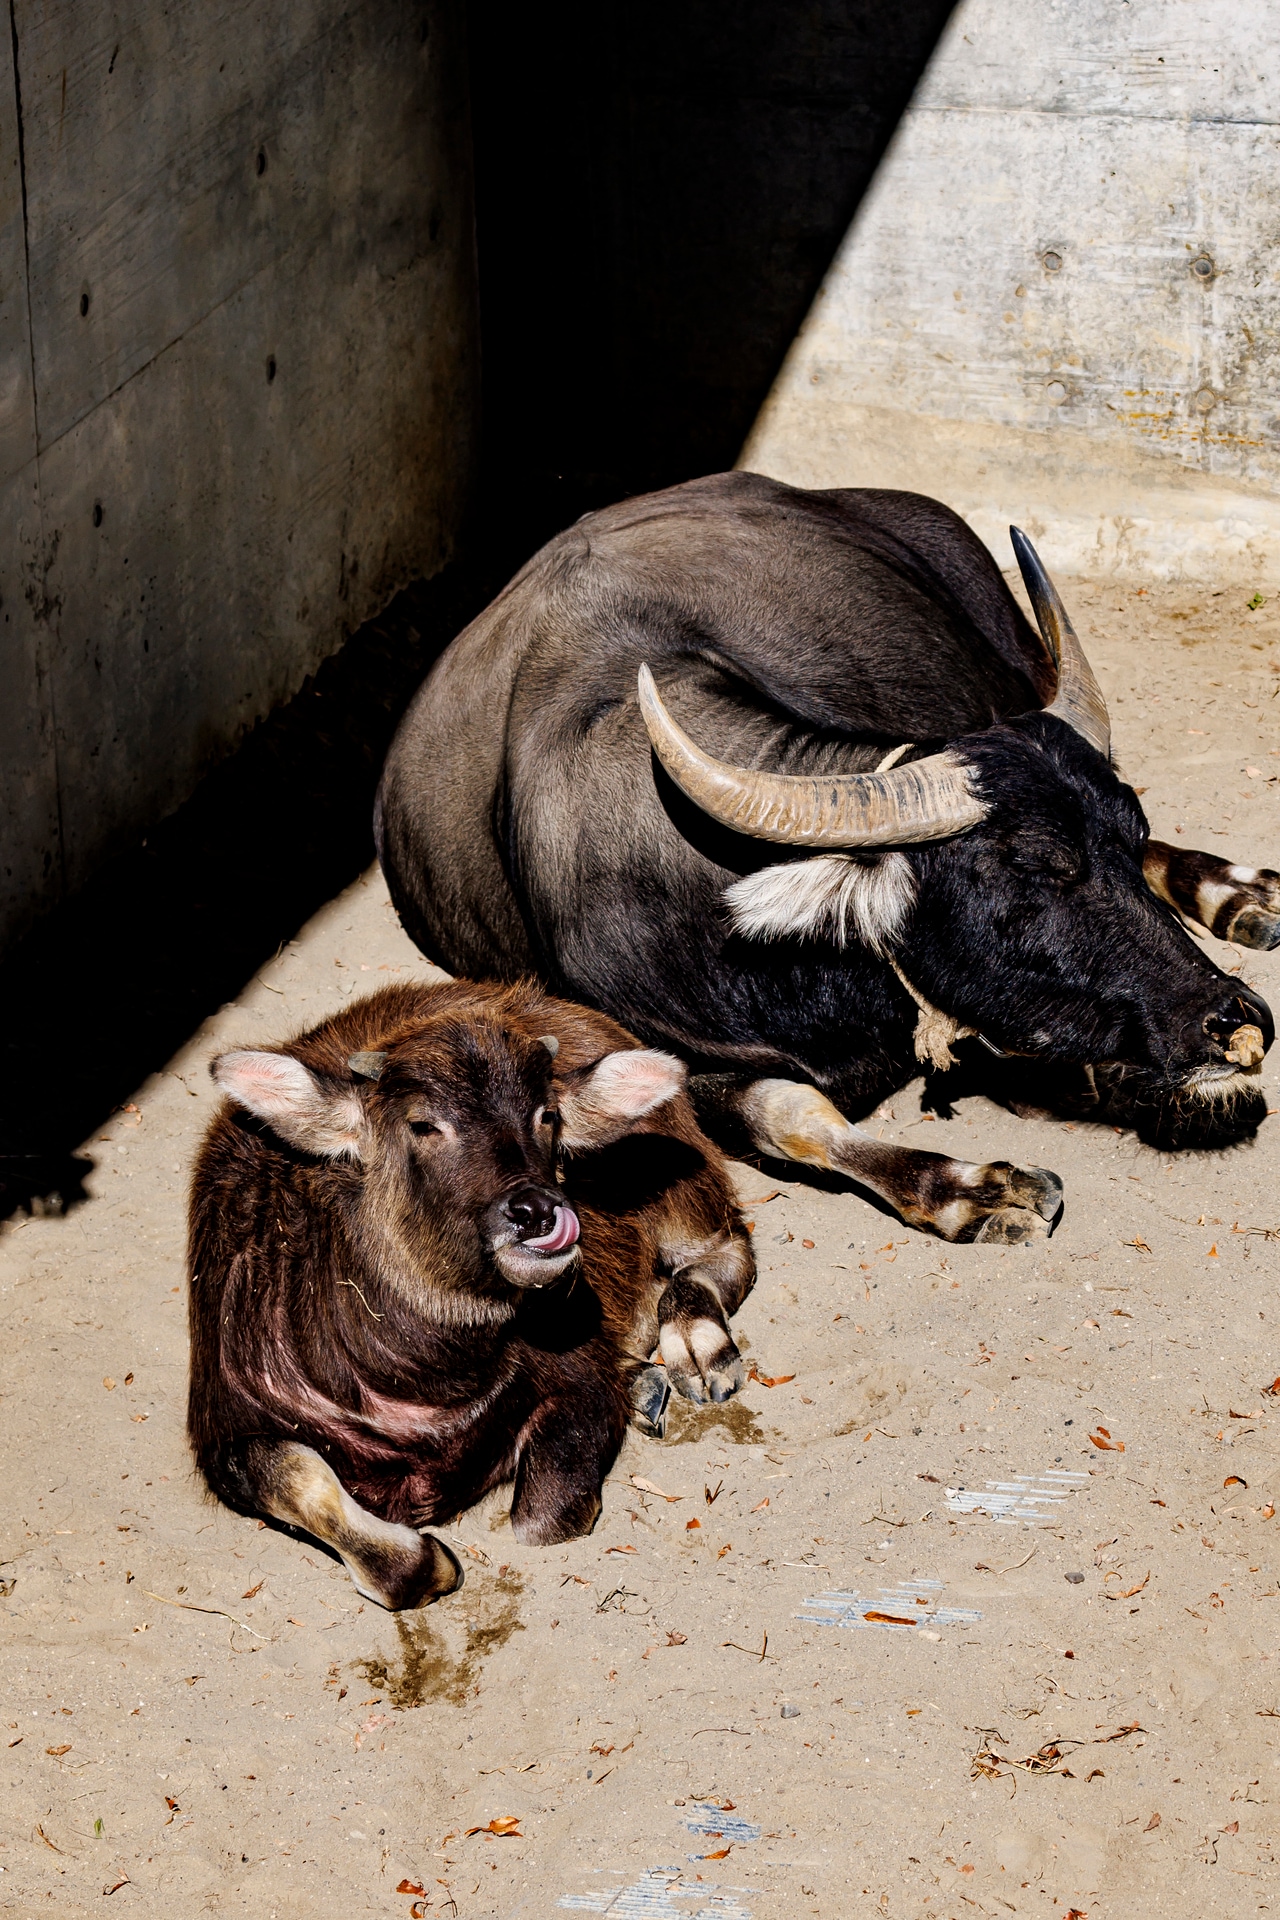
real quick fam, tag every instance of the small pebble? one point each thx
(1074, 1578)
(788, 1712)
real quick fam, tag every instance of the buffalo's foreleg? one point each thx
(1235, 903)
(698, 1350)
(953, 1198)
(391, 1564)
(565, 1449)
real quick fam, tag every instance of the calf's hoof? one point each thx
(702, 1363)
(400, 1577)
(650, 1392)
(546, 1522)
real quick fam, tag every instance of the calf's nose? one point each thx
(1228, 1022)
(531, 1211)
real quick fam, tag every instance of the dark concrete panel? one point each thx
(660, 189)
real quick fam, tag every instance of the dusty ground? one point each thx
(614, 1697)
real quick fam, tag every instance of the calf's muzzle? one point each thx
(534, 1234)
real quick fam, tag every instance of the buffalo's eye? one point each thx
(422, 1128)
(546, 1117)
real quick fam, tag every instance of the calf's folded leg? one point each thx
(1235, 903)
(391, 1564)
(566, 1448)
(997, 1202)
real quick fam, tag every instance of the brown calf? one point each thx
(392, 1306)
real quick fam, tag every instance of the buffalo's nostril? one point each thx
(1237, 1011)
(531, 1212)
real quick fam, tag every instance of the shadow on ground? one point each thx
(112, 982)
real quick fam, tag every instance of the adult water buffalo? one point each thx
(784, 780)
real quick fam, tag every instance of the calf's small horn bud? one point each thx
(549, 1041)
(367, 1065)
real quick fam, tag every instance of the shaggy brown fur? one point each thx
(376, 1338)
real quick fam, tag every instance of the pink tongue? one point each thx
(562, 1235)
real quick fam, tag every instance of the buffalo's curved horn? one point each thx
(928, 800)
(1079, 699)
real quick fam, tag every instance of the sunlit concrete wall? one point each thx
(237, 381)
(1059, 304)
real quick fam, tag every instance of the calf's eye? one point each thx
(423, 1127)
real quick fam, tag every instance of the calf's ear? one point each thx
(320, 1118)
(603, 1103)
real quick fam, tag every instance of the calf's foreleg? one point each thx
(995, 1203)
(391, 1564)
(698, 1351)
(565, 1449)
(1235, 903)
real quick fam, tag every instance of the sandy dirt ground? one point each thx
(709, 1708)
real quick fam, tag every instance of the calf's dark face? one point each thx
(1038, 929)
(451, 1139)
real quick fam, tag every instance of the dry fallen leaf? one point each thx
(889, 1619)
(761, 1505)
(722, 1854)
(251, 1593)
(507, 1827)
(108, 1383)
(1128, 1592)
(810, 1244)
(689, 1525)
(677, 1639)
(1234, 1480)
(1152, 1823)
(620, 1549)
(647, 1486)
(1103, 1440)
(768, 1380)
(57, 1752)
(410, 1886)
(727, 1548)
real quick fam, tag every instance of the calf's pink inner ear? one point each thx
(289, 1097)
(619, 1089)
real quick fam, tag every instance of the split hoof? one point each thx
(650, 1392)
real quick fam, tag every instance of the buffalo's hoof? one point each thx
(1256, 927)
(1010, 1227)
(650, 1392)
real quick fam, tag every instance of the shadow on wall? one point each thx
(660, 191)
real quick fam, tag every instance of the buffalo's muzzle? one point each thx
(1241, 1025)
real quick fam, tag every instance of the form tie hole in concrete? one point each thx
(1055, 393)
(1202, 267)
(1051, 261)
(1206, 400)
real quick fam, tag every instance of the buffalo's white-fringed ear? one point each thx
(618, 1091)
(293, 1102)
(830, 897)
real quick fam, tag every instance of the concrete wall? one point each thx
(1059, 304)
(237, 381)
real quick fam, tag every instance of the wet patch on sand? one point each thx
(429, 1665)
